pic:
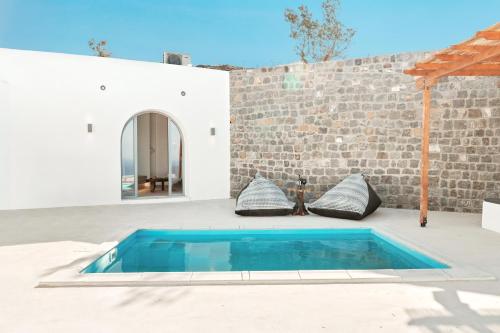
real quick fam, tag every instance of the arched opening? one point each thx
(151, 157)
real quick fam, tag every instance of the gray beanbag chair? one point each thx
(353, 198)
(261, 197)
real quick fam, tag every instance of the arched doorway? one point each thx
(151, 157)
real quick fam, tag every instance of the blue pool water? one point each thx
(258, 250)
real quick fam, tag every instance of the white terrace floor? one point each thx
(36, 243)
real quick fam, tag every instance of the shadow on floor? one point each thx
(75, 263)
(153, 295)
(456, 315)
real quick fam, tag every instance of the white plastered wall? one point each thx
(47, 158)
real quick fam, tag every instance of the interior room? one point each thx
(151, 157)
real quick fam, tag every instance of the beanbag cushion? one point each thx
(353, 198)
(261, 197)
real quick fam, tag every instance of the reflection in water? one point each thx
(156, 253)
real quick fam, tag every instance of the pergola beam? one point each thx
(469, 47)
(453, 57)
(491, 53)
(463, 72)
(434, 66)
(476, 72)
(489, 35)
(479, 56)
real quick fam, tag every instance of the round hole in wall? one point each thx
(183, 93)
(103, 87)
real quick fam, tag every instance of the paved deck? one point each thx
(36, 243)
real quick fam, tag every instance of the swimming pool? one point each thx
(258, 250)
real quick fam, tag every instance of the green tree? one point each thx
(318, 40)
(99, 48)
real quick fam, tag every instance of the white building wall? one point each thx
(4, 144)
(47, 158)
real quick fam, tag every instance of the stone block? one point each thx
(331, 119)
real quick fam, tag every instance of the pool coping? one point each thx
(71, 275)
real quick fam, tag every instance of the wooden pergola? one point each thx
(478, 56)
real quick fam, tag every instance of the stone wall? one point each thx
(329, 120)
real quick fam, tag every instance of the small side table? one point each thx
(491, 215)
(152, 182)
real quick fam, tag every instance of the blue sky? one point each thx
(247, 33)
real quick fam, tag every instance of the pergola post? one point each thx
(424, 170)
(478, 56)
